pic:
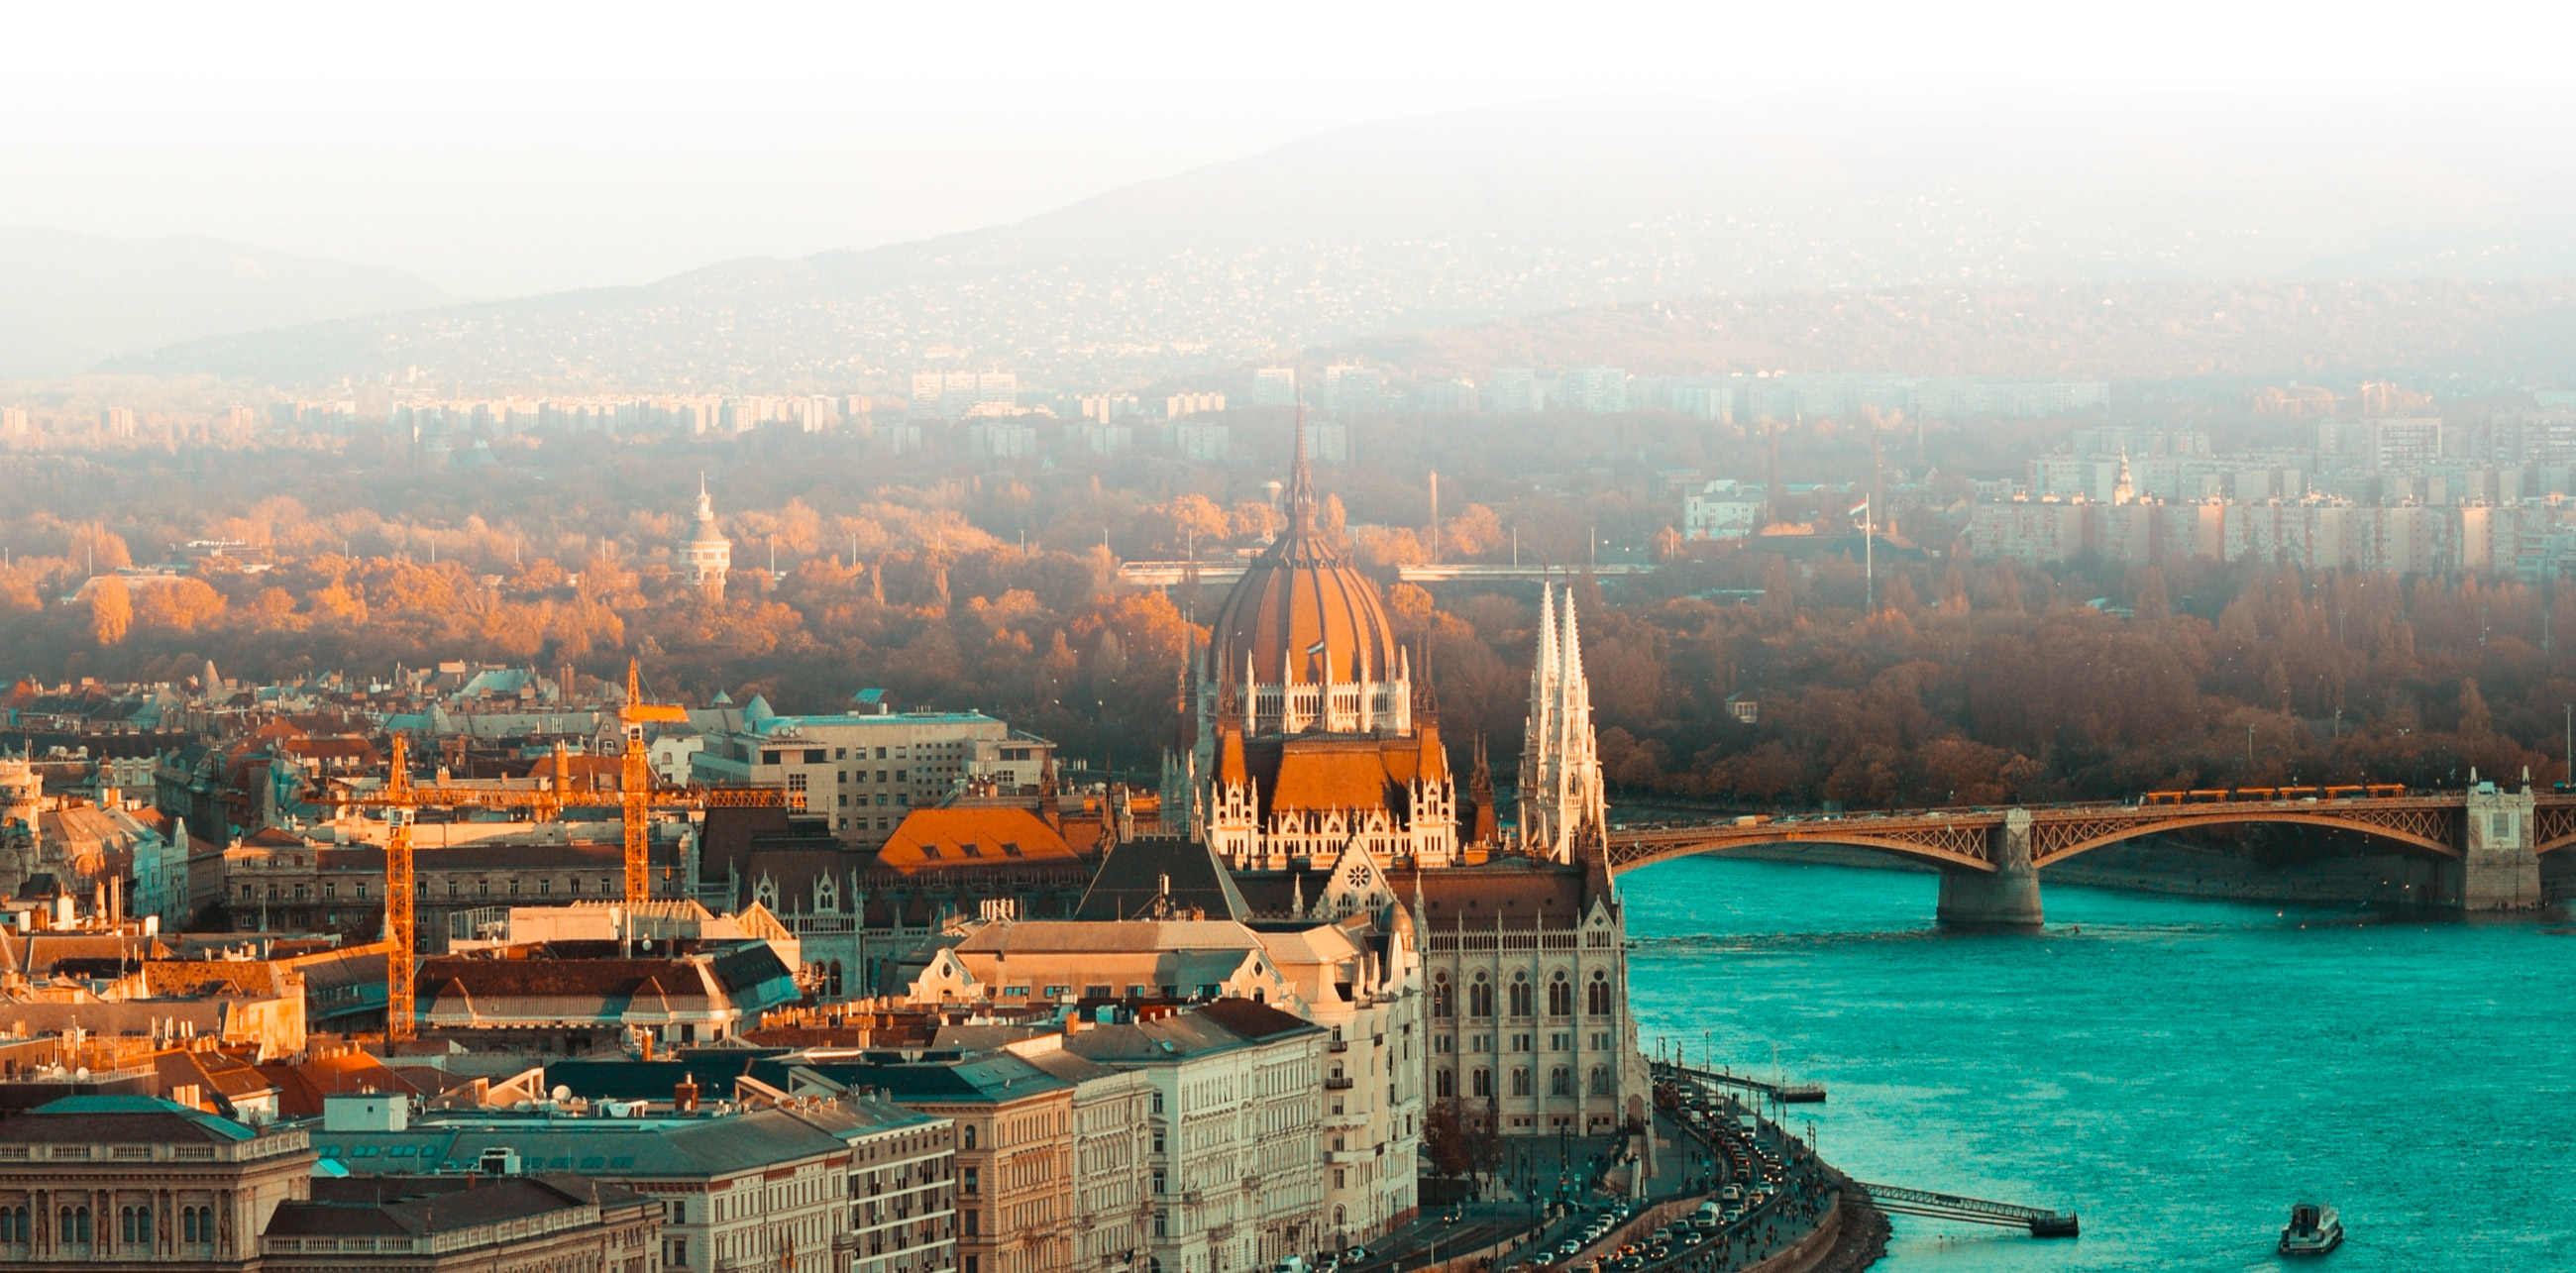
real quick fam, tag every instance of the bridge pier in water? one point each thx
(2498, 869)
(2006, 897)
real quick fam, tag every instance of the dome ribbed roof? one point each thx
(1301, 608)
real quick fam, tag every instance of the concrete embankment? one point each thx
(1860, 1232)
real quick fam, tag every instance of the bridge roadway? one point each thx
(2486, 842)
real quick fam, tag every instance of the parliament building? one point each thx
(1312, 765)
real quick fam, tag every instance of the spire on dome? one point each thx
(1301, 483)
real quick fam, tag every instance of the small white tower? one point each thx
(709, 554)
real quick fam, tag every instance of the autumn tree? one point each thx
(111, 609)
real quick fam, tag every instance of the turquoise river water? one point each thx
(2178, 1071)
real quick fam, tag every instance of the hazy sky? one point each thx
(509, 148)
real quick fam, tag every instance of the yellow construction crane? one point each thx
(637, 797)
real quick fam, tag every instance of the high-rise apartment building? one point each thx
(1188, 404)
(1599, 390)
(1350, 390)
(950, 395)
(1513, 391)
(1274, 386)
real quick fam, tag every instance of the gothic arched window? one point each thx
(1560, 997)
(1480, 998)
(1520, 1081)
(1444, 997)
(1597, 995)
(1520, 994)
(1560, 1082)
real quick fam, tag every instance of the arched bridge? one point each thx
(2489, 841)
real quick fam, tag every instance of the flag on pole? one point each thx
(1858, 509)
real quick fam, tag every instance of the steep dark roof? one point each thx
(1516, 892)
(1132, 878)
(992, 1079)
(1253, 1020)
(417, 1206)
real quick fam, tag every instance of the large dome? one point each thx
(1302, 610)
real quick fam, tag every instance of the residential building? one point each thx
(865, 771)
(1105, 439)
(1189, 404)
(1353, 390)
(459, 1223)
(1456, 396)
(1271, 387)
(1236, 1151)
(763, 1188)
(564, 998)
(954, 395)
(1513, 391)
(1724, 509)
(902, 1168)
(1111, 1154)
(1015, 1153)
(1203, 442)
(1165, 924)
(278, 882)
(1599, 390)
(1002, 439)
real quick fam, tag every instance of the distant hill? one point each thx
(2520, 330)
(69, 301)
(1470, 217)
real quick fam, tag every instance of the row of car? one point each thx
(1326, 1263)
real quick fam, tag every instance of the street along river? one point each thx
(2179, 1071)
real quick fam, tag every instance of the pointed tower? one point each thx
(708, 556)
(1480, 792)
(1561, 803)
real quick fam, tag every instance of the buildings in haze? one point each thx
(865, 770)
(1724, 509)
(707, 557)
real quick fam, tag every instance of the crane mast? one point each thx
(637, 798)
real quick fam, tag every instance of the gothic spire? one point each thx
(1301, 483)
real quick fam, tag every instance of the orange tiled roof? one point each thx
(1361, 773)
(1331, 775)
(1229, 765)
(975, 835)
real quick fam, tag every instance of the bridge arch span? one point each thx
(1959, 846)
(2426, 830)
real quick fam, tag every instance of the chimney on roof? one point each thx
(684, 1097)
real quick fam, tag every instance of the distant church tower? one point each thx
(709, 554)
(1561, 807)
